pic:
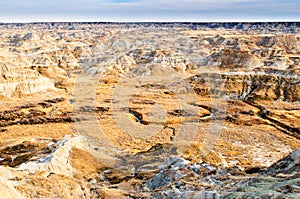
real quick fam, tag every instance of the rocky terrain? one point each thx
(150, 110)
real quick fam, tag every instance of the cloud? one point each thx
(149, 10)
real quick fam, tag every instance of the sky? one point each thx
(149, 10)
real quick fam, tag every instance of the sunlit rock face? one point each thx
(18, 77)
(182, 110)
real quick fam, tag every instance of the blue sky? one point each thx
(149, 10)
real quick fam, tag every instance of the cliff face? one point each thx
(270, 85)
(149, 111)
(19, 78)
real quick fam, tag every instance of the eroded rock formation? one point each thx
(149, 110)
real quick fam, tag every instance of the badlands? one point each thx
(150, 110)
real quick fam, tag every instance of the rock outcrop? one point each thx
(18, 80)
(289, 165)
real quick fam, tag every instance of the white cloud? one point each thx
(183, 5)
(149, 10)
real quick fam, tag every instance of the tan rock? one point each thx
(113, 194)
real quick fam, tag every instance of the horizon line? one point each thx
(92, 21)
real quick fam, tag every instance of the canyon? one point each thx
(149, 110)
